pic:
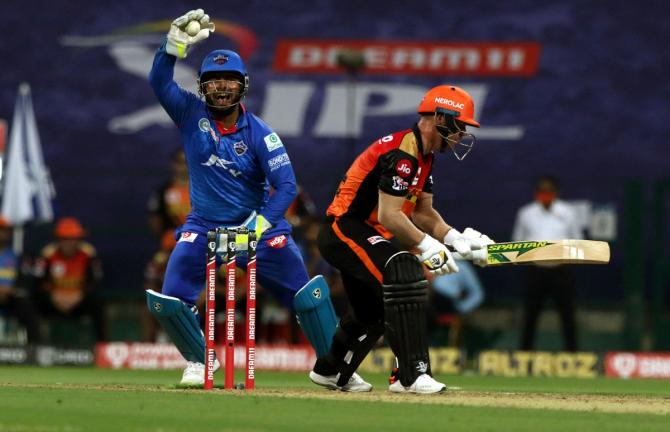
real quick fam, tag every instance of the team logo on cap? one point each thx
(220, 59)
(317, 293)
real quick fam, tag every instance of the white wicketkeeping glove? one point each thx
(470, 244)
(178, 41)
(436, 257)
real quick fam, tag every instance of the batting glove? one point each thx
(257, 222)
(178, 41)
(436, 257)
(260, 225)
(470, 244)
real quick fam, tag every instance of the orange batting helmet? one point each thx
(69, 227)
(447, 99)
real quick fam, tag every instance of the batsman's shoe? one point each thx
(355, 384)
(194, 373)
(424, 384)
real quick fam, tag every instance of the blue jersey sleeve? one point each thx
(175, 100)
(278, 170)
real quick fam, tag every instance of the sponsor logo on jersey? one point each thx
(204, 125)
(279, 161)
(214, 160)
(240, 148)
(277, 242)
(449, 102)
(403, 167)
(188, 237)
(58, 270)
(272, 142)
(399, 184)
(376, 239)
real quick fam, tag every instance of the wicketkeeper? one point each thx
(233, 159)
(382, 232)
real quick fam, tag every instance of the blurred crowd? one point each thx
(58, 285)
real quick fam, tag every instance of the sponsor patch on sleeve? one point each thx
(399, 184)
(404, 167)
(187, 237)
(279, 161)
(272, 142)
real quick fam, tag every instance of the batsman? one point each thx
(382, 232)
(233, 158)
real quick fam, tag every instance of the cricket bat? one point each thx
(548, 252)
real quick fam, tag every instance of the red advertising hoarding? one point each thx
(405, 57)
(637, 365)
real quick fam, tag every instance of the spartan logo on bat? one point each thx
(520, 247)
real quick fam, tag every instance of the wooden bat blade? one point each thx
(549, 252)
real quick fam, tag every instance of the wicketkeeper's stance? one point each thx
(233, 159)
(386, 193)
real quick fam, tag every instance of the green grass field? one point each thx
(73, 399)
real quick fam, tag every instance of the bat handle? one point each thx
(455, 254)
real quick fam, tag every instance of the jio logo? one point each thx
(403, 168)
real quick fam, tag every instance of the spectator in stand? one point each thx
(547, 218)
(14, 299)
(68, 273)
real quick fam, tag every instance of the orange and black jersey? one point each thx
(394, 164)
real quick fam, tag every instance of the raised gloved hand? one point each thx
(470, 244)
(179, 41)
(436, 257)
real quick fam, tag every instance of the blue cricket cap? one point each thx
(223, 61)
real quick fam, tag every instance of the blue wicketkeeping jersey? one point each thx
(230, 175)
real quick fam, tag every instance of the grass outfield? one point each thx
(72, 399)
